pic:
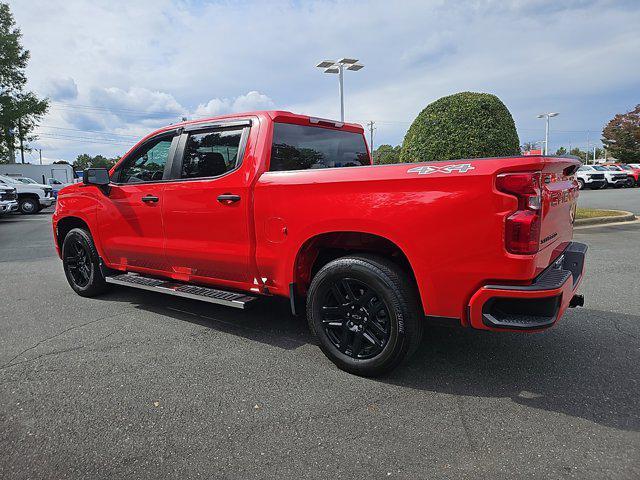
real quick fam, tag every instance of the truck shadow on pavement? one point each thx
(585, 367)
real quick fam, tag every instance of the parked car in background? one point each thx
(590, 176)
(629, 180)
(615, 178)
(57, 185)
(634, 165)
(632, 172)
(31, 197)
(8, 199)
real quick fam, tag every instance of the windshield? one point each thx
(600, 169)
(625, 167)
(25, 180)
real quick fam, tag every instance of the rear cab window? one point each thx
(211, 153)
(301, 147)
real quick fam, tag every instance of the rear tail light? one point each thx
(522, 227)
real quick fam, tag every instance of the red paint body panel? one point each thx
(450, 225)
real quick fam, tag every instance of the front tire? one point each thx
(28, 206)
(365, 313)
(81, 264)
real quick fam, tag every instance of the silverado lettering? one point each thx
(237, 207)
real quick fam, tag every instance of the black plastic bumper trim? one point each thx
(536, 313)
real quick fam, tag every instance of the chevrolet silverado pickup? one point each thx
(232, 208)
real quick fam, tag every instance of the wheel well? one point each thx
(66, 224)
(321, 249)
(28, 195)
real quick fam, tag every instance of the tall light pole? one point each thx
(338, 67)
(547, 116)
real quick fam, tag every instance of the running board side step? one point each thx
(185, 290)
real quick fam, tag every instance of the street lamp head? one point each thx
(325, 64)
(355, 67)
(348, 61)
(332, 70)
(554, 114)
(542, 115)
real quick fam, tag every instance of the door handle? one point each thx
(150, 199)
(228, 198)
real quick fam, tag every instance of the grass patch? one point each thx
(593, 212)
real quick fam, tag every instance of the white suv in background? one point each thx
(31, 197)
(592, 176)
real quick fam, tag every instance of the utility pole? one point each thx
(21, 139)
(588, 147)
(371, 126)
(40, 152)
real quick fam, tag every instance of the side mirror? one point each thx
(96, 176)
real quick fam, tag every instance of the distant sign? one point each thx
(533, 152)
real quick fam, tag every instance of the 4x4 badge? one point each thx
(426, 169)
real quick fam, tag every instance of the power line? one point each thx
(124, 136)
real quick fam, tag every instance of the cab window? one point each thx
(211, 153)
(146, 164)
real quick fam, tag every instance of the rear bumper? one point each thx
(530, 307)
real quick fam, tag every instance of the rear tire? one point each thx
(81, 264)
(604, 186)
(581, 184)
(365, 313)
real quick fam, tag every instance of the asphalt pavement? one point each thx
(627, 199)
(138, 385)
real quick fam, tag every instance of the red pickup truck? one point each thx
(231, 208)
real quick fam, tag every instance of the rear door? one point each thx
(130, 215)
(206, 205)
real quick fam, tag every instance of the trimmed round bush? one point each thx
(463, 125)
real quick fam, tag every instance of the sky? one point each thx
(117, 70)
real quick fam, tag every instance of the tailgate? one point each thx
(559, 198)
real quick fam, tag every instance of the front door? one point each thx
(130, 215)
(206, 208)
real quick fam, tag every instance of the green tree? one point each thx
(386, 154)
(463, 125)
(576, 152)
(20, 111)
(85, 160)
(561, 151)
(621, 136)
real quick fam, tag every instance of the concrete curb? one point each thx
(623, 217)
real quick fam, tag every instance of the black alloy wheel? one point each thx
(81, 263)
(78, 263)
(365, 313)
(355, 318)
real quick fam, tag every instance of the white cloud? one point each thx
(61, 89)
(135, 101)
(252, 101)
